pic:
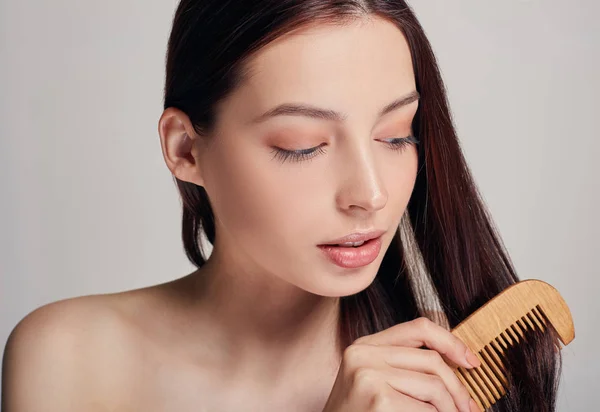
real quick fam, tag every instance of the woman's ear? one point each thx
(179, 143)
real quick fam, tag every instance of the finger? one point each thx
(427, 361)
(392, 400)
(423, 332)
(421, 386)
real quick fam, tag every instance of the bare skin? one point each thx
(253, 329)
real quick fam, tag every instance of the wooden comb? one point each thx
(499, 324)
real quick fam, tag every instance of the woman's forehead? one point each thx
(331, 66)
(326, 52)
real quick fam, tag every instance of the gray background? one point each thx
(88, 205)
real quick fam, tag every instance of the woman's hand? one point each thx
(391, 371)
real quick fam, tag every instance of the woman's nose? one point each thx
(362, 185)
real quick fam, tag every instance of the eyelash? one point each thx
(397, 144)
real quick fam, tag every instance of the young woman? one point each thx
(313, 147)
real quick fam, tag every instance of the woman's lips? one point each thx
(353, 257)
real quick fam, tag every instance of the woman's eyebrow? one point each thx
(294, 109)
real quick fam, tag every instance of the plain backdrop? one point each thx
(87, 204)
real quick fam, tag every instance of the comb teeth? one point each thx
(487, 383)
(503, 322)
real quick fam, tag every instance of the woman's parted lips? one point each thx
(358, 236)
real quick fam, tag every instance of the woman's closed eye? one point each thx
(396, 143)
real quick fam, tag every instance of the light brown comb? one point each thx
(499, 324)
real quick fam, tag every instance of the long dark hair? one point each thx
(446, 250)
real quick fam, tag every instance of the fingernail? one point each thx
(472, 359)
(473, 406)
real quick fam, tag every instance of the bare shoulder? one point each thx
(65, 355)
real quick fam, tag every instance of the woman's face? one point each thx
(273, 211)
